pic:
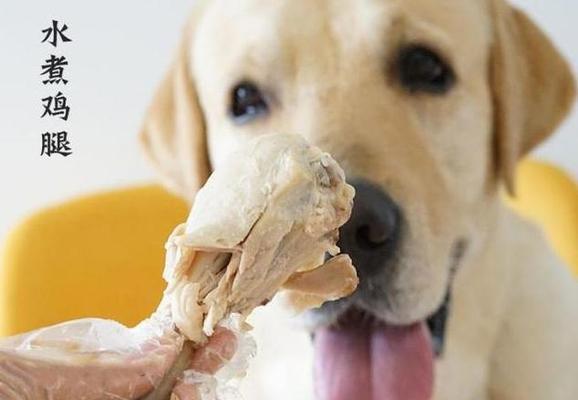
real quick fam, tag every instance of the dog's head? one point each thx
(427, 105)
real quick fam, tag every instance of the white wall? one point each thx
(119, 52)
(558, 19)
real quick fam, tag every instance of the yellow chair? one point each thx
(99, 256)
(549, 197)
(102, 255)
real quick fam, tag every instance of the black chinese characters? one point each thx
(53, 73)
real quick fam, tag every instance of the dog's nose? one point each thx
(370, 236)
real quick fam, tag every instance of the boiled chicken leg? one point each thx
(267, 219)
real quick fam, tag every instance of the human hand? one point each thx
(87, 359)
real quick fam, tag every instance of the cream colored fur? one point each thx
(326, 67)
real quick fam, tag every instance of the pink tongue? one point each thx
(373, 363)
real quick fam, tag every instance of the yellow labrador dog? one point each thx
(428, 105)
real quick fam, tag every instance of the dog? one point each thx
(428, 106)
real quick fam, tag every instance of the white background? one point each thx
(119, 53)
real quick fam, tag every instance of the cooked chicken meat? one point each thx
(273, 210)
(267, 219)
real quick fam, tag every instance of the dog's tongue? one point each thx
(373, 363)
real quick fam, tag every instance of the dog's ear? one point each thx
(173, 135)
(533, 88)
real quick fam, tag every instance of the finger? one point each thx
(182, 362)
(185, 391)
(13, 385)
(219, 350)
(108, 375)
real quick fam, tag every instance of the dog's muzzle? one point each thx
(371, 237)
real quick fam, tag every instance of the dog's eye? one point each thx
(247, 102)
(422, 70)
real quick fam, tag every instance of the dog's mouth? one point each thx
(437, 324)
(361, 357)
